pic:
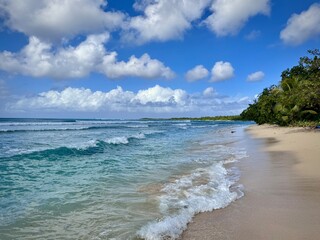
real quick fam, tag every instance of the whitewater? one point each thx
(114, 179)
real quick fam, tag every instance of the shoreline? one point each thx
(281, 179)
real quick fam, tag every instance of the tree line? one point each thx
(210, 118)
(295, 100)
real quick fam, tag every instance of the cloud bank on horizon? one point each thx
(80, 99)
(156, 99)
(134, 42)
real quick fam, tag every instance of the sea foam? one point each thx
(204, 190)
(117, 140)
(123, 139)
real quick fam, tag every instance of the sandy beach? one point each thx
(281, 179)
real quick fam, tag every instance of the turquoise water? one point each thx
(110, 179)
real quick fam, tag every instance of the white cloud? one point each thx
(75, 99)
(256, 76)
(228, 17)
(53, 20)
(156, 99)
(209, 92)
(144, 67)
(163, 19)
(197, 73)
(160, 20)
(302, 27)
(159, 94)
(40, 59)
(222, 71)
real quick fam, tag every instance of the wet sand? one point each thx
(281, 177)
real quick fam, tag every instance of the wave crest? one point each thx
(204, 190)
(117, 140)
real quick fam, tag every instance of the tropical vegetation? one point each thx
(295, 100)
(215, 118)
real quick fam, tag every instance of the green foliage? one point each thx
(216, 118)
(263, 109)
(296, 99)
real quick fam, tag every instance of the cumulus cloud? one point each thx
(159, 94)
(197, 73)
(256, 76)
(156, 99)
(40, 59)
(160, 20)
(82, 100)
(163, 19)
(228, 17)
(302, 27)
(222, 71)
(144, 67)
(209, 92)
(53, 20)
(168, 19)
(74, 99)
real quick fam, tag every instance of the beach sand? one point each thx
(281, 179)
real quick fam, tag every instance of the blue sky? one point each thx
(147, 58)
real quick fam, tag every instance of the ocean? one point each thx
(114, 179)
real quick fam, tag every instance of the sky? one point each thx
(147, 58)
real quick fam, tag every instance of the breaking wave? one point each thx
(83, 148)
(206, 189)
